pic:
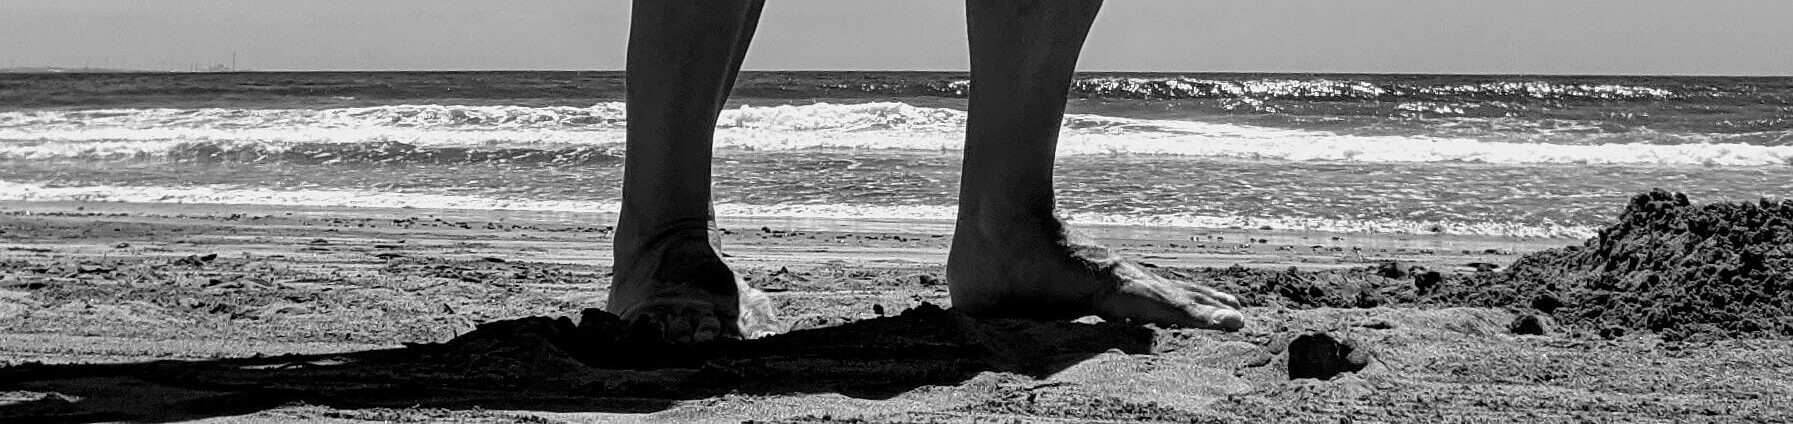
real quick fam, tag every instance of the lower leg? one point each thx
(683, 56)
(1011, 254)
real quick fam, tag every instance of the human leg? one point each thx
(670, 282)
(1011, 254)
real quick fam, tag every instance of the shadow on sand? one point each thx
(548, 364)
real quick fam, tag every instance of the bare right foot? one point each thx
(1009, 268)
(677, 291)
(1011, 256)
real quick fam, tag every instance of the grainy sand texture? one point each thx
(163, 312)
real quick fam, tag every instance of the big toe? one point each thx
(1226, 319)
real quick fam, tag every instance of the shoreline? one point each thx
(1179, 246)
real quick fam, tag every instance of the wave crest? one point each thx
(436, 134)
(381, 199)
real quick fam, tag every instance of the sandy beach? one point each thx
(168, 312)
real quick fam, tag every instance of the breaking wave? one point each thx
(1289, 88)
(576, 135)
(1175, 88)
(381, 199)
(1333, 89)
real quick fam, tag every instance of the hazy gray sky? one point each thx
(1731, 37)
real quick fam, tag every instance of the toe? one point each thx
(1228, 300)
(708, 328)
(1226, 320)
(1217, 296)
(674, 324)
(645, 328)
(678, 330)
(1211, 317)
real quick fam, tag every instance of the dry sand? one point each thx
(161, 313)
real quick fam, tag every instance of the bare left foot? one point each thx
(679, 292)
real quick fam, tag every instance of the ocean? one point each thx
(1524, 156)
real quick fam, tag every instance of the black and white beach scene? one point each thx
(928, 211)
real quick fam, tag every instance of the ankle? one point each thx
(635, 237)
(1004, 223)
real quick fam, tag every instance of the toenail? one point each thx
(1227, 319)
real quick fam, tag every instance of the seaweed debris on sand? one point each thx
(1686, 271)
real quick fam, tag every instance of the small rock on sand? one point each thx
(1426, 280)
(1320, 356)
(1393, 269)
(1528, 324)
(1546, 303)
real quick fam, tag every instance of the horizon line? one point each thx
(94, 70)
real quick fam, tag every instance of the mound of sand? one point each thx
(1686, 271)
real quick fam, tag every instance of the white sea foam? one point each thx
(378, 199)
(1328, 89)
(116, 133)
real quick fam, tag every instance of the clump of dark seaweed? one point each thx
(1294, 289)
(1722, 270)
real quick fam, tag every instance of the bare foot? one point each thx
(1046, 271)
(677, 291)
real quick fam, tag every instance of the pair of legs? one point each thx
(1011, 255)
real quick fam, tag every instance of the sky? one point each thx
(1606, 37)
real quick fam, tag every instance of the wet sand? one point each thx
(370, 303)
